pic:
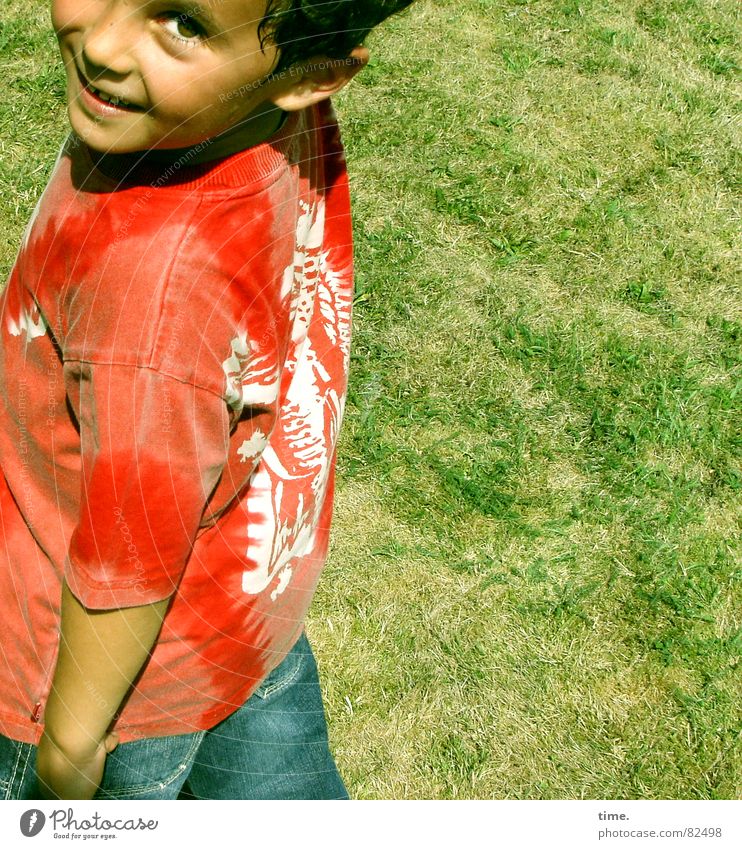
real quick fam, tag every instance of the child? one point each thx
(174, 346)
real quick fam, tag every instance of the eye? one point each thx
(182, 27)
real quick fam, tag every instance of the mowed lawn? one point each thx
(534, 588)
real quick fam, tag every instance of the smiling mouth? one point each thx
(108, 99)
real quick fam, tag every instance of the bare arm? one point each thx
(100, 654)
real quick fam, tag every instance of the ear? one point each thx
(315, 80)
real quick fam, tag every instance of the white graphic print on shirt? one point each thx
(29, 320)
(282, 523)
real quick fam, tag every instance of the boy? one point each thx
(174, 345)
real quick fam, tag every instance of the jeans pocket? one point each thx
(155, 767)
(285, 673)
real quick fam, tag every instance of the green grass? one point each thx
(534, 582)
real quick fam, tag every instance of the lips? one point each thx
(104, 100)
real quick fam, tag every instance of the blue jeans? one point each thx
(274, 747)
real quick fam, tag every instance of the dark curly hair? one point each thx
(305, 28)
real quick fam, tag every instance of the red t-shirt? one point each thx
(174, 346)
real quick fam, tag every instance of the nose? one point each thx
(109, 40)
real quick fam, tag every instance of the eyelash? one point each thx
(180, 17)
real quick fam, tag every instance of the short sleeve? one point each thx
(152, 449)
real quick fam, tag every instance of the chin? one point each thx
(101, 139)
(104, 136)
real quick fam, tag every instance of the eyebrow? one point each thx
(195, 10)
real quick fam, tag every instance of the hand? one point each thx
(64, 774)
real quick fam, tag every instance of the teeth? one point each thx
(114, 101)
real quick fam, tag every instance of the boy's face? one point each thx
(186, 70)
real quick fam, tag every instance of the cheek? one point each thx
(213, 106)
(239, 97)
(212, 97)
(191, 107)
